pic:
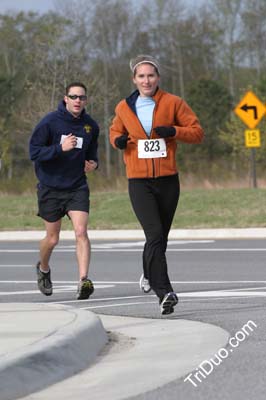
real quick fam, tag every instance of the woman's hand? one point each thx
(121, 141)
(165, 131)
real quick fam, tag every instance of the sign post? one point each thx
(251, 110)
(252, 140)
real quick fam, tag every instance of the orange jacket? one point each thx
(170, 110)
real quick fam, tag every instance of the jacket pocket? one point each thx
(168, 164)
(136, 167)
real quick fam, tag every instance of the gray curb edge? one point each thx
(135, 234)
(57, 356)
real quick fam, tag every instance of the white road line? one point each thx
(60, 289)
(222, 293)
(210, 282)
(214, 282)
(15, 266)
(248, 288)
(74, 282)
(191, 299)
(187, 300)
(130, 250)
(70, 286)
(184, 297)
(119, 305)
(221, 297)
(103, 299)
(106, 299)
(114, 245)
(137, 282)
(18, 251)
(262, 249)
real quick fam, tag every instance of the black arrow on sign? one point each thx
(245, 107)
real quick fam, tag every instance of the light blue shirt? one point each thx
(144, 108)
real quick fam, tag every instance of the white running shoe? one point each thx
(144, 284)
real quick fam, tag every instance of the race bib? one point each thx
(79, 141)
(152, 148)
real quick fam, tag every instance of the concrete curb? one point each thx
(185, 234)
(59, 354)
(144, 355)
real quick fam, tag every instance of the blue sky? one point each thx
(26, 5)
(44, 5)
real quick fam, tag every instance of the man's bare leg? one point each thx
(48, 243)
(83, 248)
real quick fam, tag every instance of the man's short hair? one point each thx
(76, 84)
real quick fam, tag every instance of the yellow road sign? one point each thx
(250, 110)
(252, 138)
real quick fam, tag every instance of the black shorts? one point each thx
(54, 204)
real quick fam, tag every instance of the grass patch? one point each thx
(215, 208)
(221, 208)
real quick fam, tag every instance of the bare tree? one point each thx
(254, 34)
(227, 13)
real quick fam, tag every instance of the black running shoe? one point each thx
(168, 302)
(44, 281)
(85, 289)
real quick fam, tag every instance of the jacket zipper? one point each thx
(149, 137)
(153, 162)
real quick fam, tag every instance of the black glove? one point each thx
(165, 131)
(121, 141)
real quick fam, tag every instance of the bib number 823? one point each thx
(152, 148)
(151, 145)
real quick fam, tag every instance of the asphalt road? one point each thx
(222, 282)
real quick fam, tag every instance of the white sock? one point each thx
(44, 272)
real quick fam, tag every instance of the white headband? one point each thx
(145, 62)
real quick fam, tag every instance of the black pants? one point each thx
(154, 202)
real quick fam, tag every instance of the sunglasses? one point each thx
(83, 97)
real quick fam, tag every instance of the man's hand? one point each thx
(69, 142)
(165, 131)
(121, 141)
(90, 165)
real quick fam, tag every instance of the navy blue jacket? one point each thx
(54, 167)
